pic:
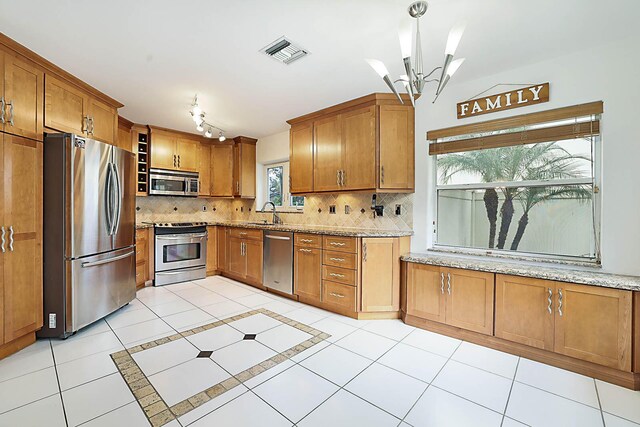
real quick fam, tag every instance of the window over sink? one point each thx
(276, 188)
(532, 190)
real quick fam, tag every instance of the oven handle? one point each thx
(181, 236)
(182, 270)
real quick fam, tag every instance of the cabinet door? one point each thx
(212, 249)
(204, 169)
(397, 147)
(163, 151)
(470, 300)
(124, 139)
(247, 170)
(301, 158)
(24, 94)
(104, 121)
(327, 154)
(594, 324)
(359, 149)
(524, 310)
(187, 152)
(425, 292)
(222, 170)
(236, 261)
(307, 271)
(253, 255)
(65, 106)
(222, 248)
(22, 176)
(380, 275)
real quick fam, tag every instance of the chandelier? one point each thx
(198, 117)
(415, 78)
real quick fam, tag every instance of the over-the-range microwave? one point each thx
(173, 183)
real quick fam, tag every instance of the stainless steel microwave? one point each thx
(173, 183)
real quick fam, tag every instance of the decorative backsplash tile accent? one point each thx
(315, 212)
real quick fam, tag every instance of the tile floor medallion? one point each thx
(161, 410)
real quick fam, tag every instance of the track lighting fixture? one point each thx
(198, 117)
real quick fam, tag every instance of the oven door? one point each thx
(174, 251)
(165, 185)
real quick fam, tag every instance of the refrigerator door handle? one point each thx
(118, 199)
(108, 194)
(108, 260)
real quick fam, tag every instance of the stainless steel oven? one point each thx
(180, 252)
(173, 183)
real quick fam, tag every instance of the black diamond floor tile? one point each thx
(205, 354)
(250, 337)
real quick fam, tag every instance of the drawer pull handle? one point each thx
(550, 301)
(337, 244)
(333, 294)
(307, 240)
(560, 301)
(336, 275)
(449, 283)
(304, 250)
(442, 283)
(337, 259)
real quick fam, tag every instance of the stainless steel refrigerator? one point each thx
(89, 232)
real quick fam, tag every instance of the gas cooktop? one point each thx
(179, 224)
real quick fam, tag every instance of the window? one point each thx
(495, 192)
(277, 187)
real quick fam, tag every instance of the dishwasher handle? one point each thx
(269, 236)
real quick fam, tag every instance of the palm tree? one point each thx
(542, 161)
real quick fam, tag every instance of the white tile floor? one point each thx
(368, 373)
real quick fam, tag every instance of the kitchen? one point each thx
(183, 238)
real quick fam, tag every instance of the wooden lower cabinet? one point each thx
(460, 298)
(236, 263)
(253, 255)
(594, 324)
(380, 274)
(212, 250)
(524, 310)
(244, 258)
(142, 257)
(339, 295)
(307, 273)
(223, 249)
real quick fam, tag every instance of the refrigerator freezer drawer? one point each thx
(101, 284)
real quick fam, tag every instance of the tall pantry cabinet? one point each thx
(21, 123)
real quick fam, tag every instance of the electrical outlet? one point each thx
(347, 209)
(204, 208)
(398, 209)
(52, 321)
(332, 209)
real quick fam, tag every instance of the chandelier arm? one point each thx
(425, 77)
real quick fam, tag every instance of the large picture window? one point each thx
(497, 192)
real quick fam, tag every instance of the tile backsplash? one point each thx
(315, 212)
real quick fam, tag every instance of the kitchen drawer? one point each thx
(308, 240)
(141, 274)
(340, 275)
(340, 259)
(245, 233)
(141, 251)
(342, 244)
(339, 295)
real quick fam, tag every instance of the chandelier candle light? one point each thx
(198, 117)
(415, 79)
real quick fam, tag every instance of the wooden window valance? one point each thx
(518, 137)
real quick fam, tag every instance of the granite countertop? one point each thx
(560, 273)
(311, 229)
(142, 226)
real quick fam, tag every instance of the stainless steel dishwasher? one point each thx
(278, 260)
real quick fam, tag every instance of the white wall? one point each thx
(270, 149)
(608, 73)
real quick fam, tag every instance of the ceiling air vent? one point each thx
(284, 50)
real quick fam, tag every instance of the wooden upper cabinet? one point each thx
(222, 170)
(103, 121)
(204, 169)
(125, 139)
(525, 310)
(397, 147)
(22, 220)
(594, 324)
(24, 97)
(244, 167)
(364, 144)
(327, 159)
(187, 152)
(301, 158)
(359, 149)
(307, 272)
(425, 292)
(65, 106)
(163, 150)
(470, 300)
(380, 275)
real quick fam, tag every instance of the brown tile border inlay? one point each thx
(152, 404)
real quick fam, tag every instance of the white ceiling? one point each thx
(154, 55)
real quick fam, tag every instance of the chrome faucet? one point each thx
(276, 217)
